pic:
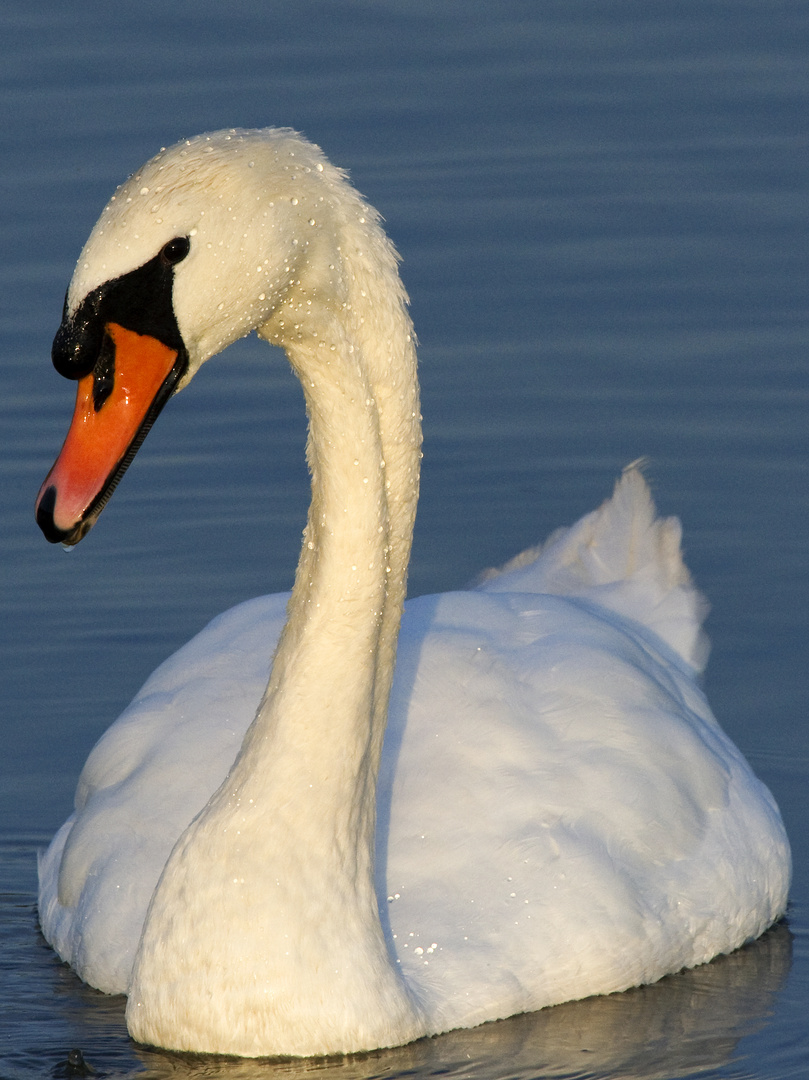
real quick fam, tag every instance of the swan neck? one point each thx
(289, 837)
(327, 699)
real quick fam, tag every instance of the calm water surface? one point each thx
(603, 210)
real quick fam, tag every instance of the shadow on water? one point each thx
(687, 1023)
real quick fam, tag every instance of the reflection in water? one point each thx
(685, 1023)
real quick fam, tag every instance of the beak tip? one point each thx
(46, 505)
(46, 502)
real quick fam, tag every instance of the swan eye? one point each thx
(175, 250)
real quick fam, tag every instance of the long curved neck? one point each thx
(326, 703)
(293, 824)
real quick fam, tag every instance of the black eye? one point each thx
(175, 250)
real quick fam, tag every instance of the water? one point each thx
(603, 212)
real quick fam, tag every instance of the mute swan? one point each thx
(559, 813)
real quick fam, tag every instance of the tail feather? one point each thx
(625, 558)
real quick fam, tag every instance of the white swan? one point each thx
(559, 813)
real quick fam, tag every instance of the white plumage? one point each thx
(558, 812)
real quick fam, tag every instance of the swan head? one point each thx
(214, 237)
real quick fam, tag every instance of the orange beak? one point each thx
(114, 410)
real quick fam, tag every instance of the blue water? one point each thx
(603, 211)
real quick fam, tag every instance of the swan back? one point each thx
(623, 558)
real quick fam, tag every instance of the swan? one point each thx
(280, 848)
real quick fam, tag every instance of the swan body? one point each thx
(281, 847)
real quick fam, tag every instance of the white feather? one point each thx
(558, 812)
